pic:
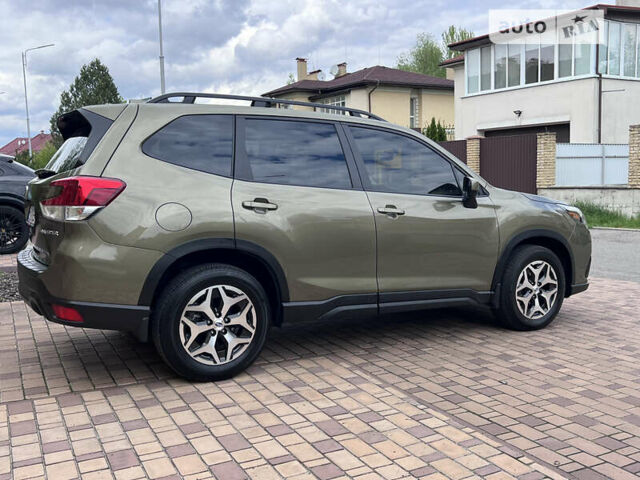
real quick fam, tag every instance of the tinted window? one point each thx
(395, 163)
(199, 142)
(296, 153)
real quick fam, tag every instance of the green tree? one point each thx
(435, 131)
(427, 54)
(424, 57)
(454, 34)
(93, 86)
(291, 79)
(39, 159)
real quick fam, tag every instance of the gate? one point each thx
(510, 162)
(457, 148)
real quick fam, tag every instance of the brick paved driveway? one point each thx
(436, 395)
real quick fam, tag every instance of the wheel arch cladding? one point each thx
(245, 255)
(543, 238)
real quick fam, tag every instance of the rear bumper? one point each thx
(106, 316)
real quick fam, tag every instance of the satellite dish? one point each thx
(321, 76)
(334, 70)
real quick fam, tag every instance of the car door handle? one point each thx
(391, 210)
(259, 205)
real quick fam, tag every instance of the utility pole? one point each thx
(161, 53)
(26, 101)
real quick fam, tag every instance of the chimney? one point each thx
(451, 74)
(342, 69)
(314, 75)
(302, 68)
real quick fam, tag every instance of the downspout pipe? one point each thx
(371, 91)
(599, 74)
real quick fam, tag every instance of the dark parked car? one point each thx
(14, 177)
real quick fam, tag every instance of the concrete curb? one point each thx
(637, 230)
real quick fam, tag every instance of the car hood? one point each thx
(541, 199)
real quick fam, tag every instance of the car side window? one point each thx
(398, 164)
(198, 142)
(295, 153)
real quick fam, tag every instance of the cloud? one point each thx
(233, 46)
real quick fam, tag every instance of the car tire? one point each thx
(14, 232)
(527, 301)
(204, 318)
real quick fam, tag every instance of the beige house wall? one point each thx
(572, 101)
(436, 104)
(392, 103)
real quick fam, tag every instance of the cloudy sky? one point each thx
(230, 46)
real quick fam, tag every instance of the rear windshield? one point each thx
(68, 155)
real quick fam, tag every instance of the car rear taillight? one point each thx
(77, 198)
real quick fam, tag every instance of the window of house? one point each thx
(604, 48)
(473, 71)
(398, 164)
(515, 54)
(618, 50)
(295, 153)
(630, 46)
(532, 62)
(414, 113)
(582, 56)
(614, 48)
(339, 101)
(547, 62)
(565, 60)
(500, 66)
(485, 68)
(199, 142)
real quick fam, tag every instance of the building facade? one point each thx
(405, 98)
(586, 91)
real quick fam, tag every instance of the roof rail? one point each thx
(268, 102)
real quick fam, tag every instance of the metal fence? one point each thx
(586, 164)
(456, 147)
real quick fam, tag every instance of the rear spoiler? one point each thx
(84, 123)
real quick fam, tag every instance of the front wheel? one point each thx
(211, 322)
(14, 232)
(533, 286)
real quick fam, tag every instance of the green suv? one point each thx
(200, 226)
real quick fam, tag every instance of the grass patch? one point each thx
(603, 217)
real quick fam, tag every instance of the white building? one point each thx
(587, 91)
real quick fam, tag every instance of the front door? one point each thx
(427, 240)
(297, 195)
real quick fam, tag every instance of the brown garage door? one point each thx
(510, 162)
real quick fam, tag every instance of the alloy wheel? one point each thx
(217, 325)
(536, 289)
(10, 229)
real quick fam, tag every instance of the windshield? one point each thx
(67, 155)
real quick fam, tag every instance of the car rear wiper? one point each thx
(44, 173)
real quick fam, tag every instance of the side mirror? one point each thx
(470, 189)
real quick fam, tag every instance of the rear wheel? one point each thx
(14, 232)
(211, 322)
(533, 286)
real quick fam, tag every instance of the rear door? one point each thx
(297, 194)
(82, 131)
(428, 242)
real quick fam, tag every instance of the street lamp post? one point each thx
(161, 57)
(24, 78)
